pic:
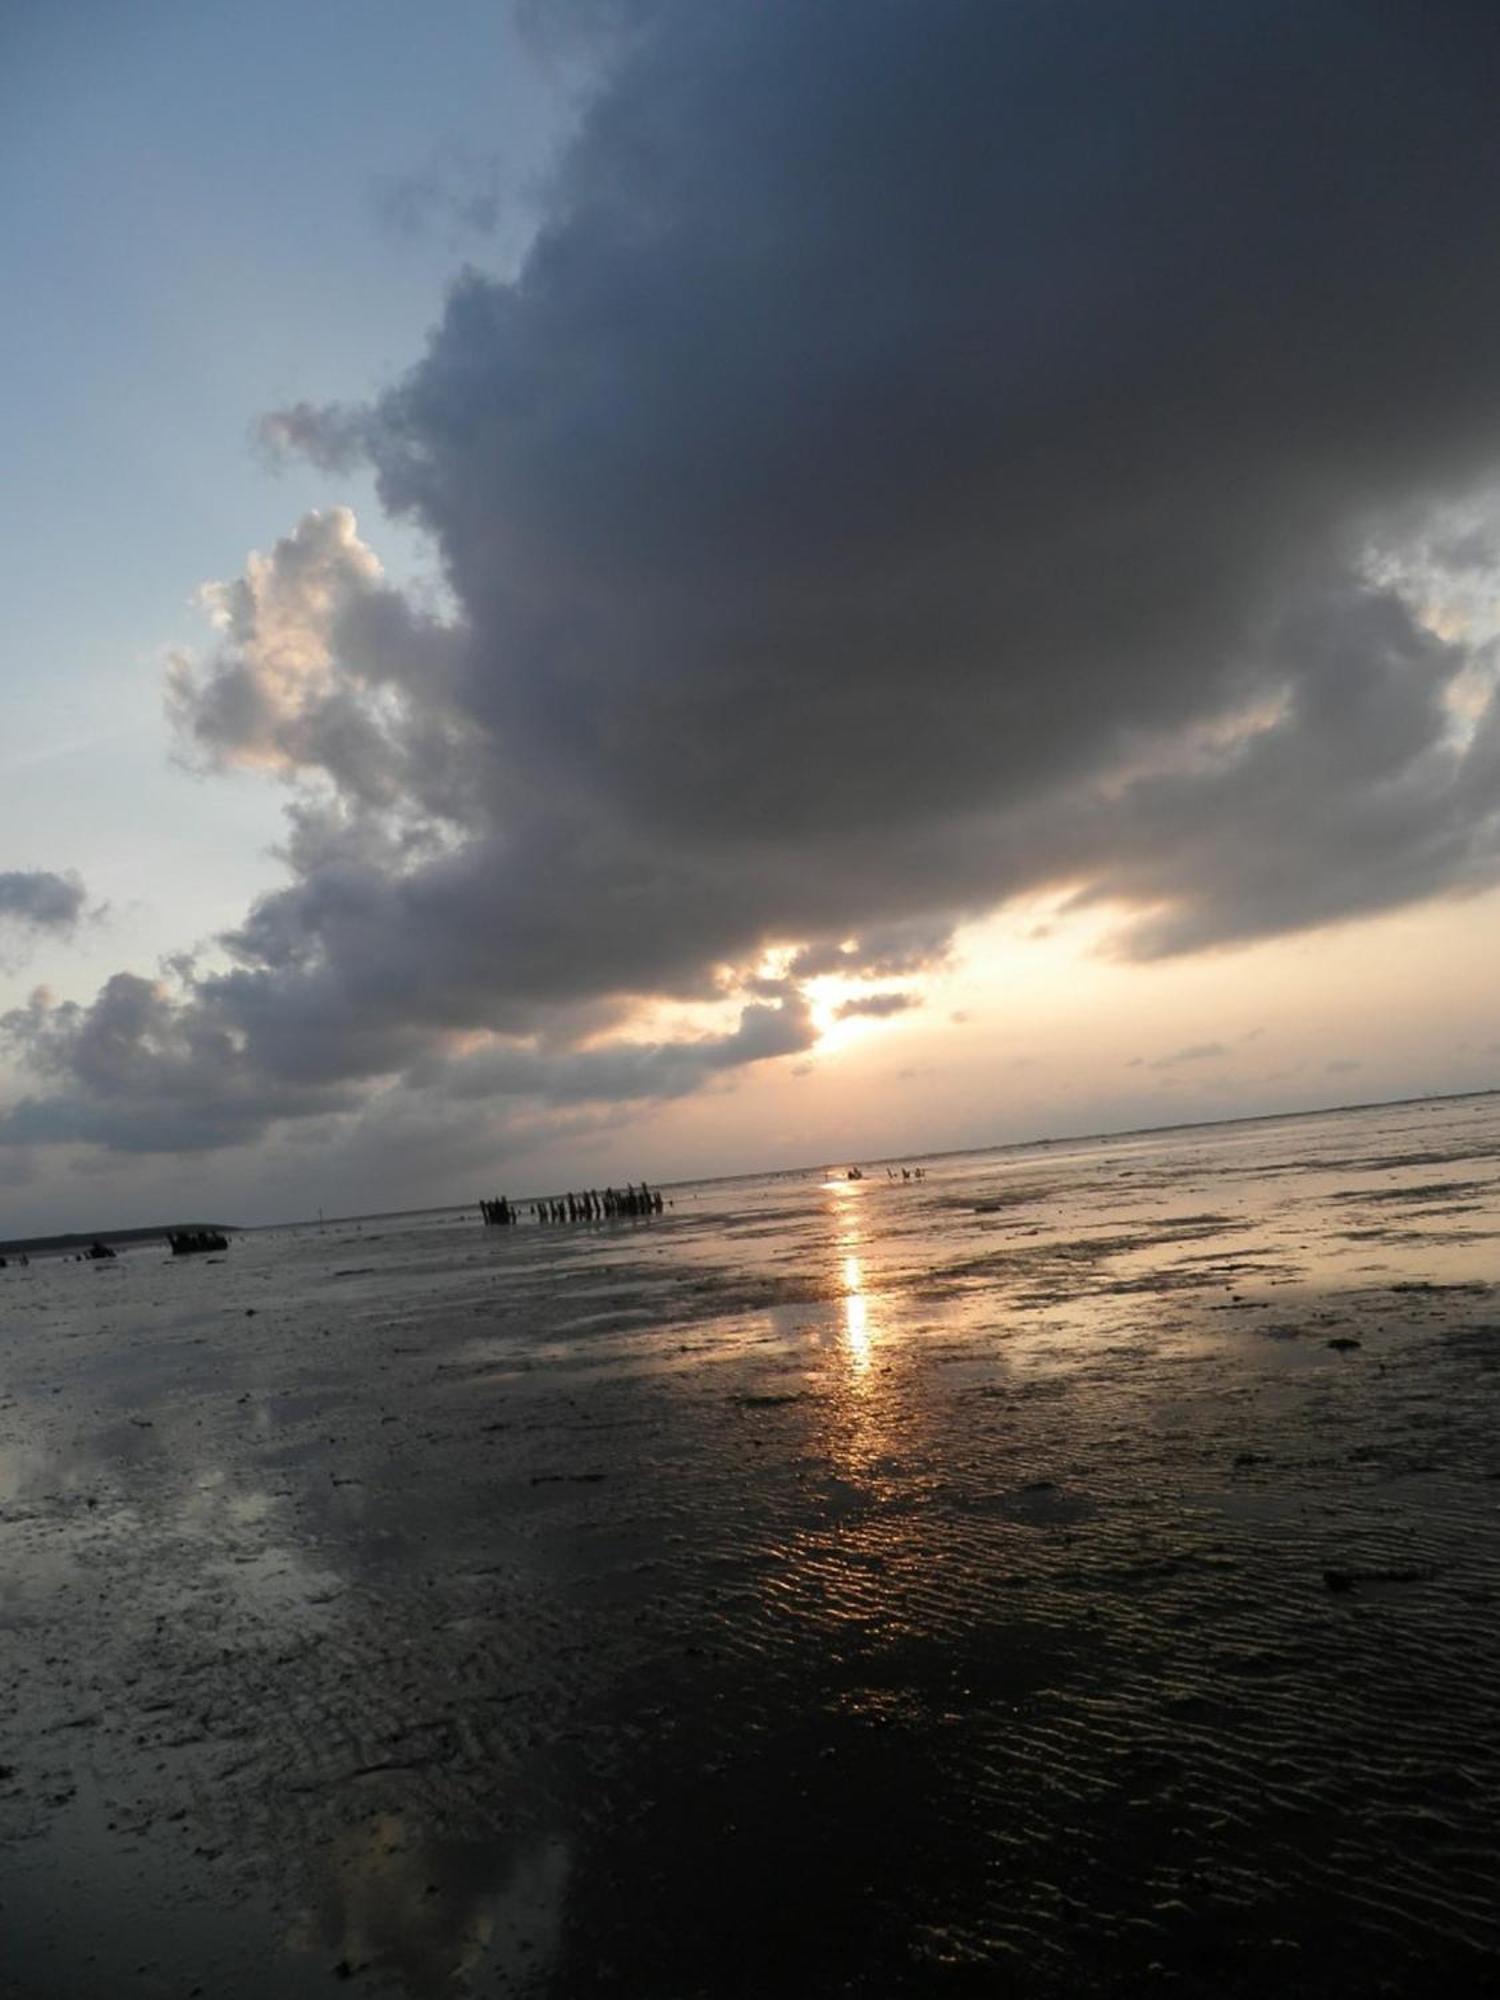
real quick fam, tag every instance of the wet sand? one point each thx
(1075, 1573)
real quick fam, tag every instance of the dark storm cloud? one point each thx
(930, 453)
(1358, 797)
(141, 1072)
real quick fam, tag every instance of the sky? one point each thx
(620, 587)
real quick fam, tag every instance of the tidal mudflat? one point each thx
(1076, 1572)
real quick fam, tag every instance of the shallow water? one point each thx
(1072, 1572)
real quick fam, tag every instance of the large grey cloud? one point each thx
(930, 452)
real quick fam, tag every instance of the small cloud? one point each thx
(876, 1006)
(40, 900)
(1194, 1052)
(1342, 1065)
(331, 438)
(37, 903)
(959, 1016)
(458, 193)
(180, 966)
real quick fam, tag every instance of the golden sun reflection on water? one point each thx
(864, 1418)
(856, 1317)
(858, 1329)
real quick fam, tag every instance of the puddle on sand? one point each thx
(397, 1903)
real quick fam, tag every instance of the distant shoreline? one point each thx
(80, 1239)
(941, 1153)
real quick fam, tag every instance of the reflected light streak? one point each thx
(856, 1317)
(864, 1418)
(858, 1339)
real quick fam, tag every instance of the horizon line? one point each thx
(63, 1238)
(939, 1153)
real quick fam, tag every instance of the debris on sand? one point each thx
(196, 1242)
(1339, 1580)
